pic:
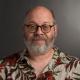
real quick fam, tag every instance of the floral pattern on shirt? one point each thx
(60, 67)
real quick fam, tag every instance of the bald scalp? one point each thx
(40, 8)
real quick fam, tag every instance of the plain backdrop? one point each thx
(67, 14)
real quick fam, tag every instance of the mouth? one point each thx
(38, 41)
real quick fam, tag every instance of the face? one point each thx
(39, 42)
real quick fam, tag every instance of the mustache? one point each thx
(39, 37)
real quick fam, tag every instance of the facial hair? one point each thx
(36, 49)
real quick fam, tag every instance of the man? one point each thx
(40, 60)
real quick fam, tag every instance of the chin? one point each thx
(37, 49)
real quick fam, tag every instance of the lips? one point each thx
(38, 38)
(40, 41)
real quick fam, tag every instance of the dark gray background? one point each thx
(11, 18)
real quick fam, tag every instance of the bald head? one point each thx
(40, 14)
(41, 8)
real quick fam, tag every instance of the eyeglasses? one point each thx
(34, 27)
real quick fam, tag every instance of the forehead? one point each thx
(39, 15)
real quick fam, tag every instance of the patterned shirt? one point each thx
(60, 67)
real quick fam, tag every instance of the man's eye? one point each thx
(45, 26)
(30, 25)
(33, 26)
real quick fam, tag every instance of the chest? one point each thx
(20, 73)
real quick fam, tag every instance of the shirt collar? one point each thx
(24, 61)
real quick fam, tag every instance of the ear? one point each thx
(55, 30)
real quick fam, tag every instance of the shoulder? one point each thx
(10, 60)
(6, 63)
(69, 60)
(74, 63)
(72, 66)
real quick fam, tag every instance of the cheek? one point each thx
(28, 36)
(50, 35)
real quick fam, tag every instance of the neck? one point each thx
(39, 62)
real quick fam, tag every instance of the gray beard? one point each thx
(37, 49)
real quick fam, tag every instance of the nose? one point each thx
(38, 30)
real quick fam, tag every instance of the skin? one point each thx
(40, 15)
